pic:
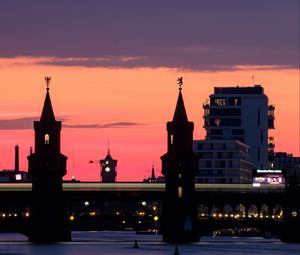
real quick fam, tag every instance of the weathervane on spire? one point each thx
(47, 80)
(180, 82)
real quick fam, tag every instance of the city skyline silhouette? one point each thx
(116, 81)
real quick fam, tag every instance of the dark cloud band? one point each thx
(27, 123)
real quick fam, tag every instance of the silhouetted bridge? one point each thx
(220, 206)
(210, 194)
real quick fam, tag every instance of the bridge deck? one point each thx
(147, 187)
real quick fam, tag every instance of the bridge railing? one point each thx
(148, 187)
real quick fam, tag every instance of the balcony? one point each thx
(271, 117)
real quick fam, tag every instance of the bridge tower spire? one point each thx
(179, 167)
(47, 166)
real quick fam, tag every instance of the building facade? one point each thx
(15, 175)
(223, 161)
(288, 163)
(243, 114)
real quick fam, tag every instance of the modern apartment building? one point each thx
(243, 114)
(223, 161)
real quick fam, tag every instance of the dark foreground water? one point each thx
(92, 243)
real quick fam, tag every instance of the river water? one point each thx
(108, 242)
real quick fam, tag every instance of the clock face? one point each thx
(107, 169)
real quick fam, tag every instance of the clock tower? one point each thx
(108, 168)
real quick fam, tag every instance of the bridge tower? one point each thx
(291, 216)
(179, 167)
(47, 166)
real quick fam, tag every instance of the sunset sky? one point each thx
(114, 66)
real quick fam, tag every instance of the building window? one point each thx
(224, 146)
(46, 139)
(171, 139)
(234, 101)
(206, 111)
(225, 112)
(179, 192)
(224, 122)
(219, 101)
(215, 132)
(200, 146)
(219, 172)
(207, 164)
(207, 122)
(237, 131)
(217, 122)
(258, 117)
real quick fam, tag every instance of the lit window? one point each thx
(217, 122)
(47, 139)
(220, 101)
(171, 139)
(179, 191)
(206, 111)
(18, 177)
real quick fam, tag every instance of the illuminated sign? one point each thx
(18, 177)
(269, 171)
(270, 179)
(259, 179)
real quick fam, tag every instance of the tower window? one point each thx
(179, 192)
(46, 139)
(171, 139)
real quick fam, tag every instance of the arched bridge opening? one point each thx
(240, 219)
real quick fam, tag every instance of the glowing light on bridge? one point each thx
(294, 213)
(92, 213)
